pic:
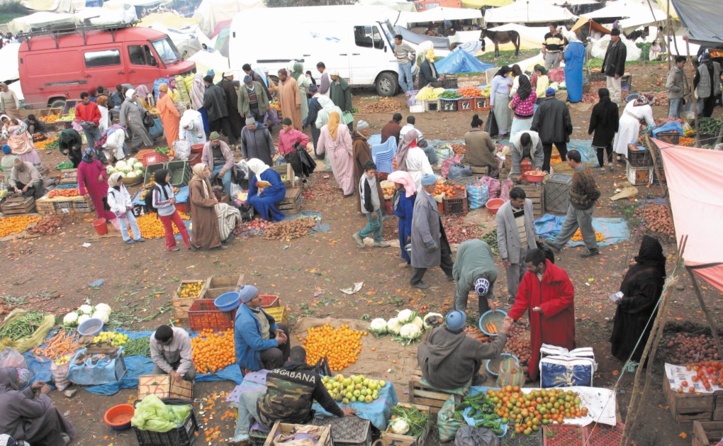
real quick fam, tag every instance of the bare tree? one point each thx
(287, 3)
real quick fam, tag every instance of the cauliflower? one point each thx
(406, 316)
(393, 326)
(103, 308)
(83, 318)
(71, 319)
(85, 309)
(399, 426)
(410, 333)
(102, 316)
(418, 322)
(430, 320)
(378, 326)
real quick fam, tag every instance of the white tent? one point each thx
(185, 39)
(441, 14)
(397, 5)
(527, 12)
(210, 61)
(9, 70)
(212, 12)
(40, 20)
(531, 37)
(625, 9)
(54, 5)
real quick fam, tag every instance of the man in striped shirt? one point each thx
(552, 48)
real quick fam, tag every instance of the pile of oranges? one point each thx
(341, 346)
(448, 190)
(16, 224)
(577, 236)
(151, 226)
(190, 290)
(213, 351)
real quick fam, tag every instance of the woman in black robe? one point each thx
(641, 287)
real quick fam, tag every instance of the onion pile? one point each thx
(684, 348)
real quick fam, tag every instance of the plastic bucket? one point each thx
(100, 226)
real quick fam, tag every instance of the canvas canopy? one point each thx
(460, 61)
(211, 12)
(441, 14)
(397, 5)
(476, 4)
(168, 19)
(702, 19)
(696, 198)
(531, 37)
(528, 12)
(584, 22)
(40, 20)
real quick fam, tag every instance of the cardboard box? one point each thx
(284, 428)
(391, 439)
(164, 386)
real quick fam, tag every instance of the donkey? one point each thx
(501, 37)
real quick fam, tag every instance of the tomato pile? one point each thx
(448, 190)
(529, 411)
(67, 193)
(708, 373)
(341, 346)
(213, 351)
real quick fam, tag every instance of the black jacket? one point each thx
(314, 109)
(426, 75)
(614, 62)
(552, 121)
(214, 101)
(604, 122)
(231, 96)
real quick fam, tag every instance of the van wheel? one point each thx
(57, 103)
(387, 84)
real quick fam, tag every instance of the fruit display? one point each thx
(190, 290)
(387, 189)
(16, 224)
(46, 144)
(708, 373)
(355, 388)
(657, 218)
(130, 168)
(448, 190)
(112, 338)
(469, 92)
(151, 226)
(63, 193)
(51, 118)
(518, 343)
(213, 351)
(577, 236)
(429, 93)
(683, 348)
(341, 346)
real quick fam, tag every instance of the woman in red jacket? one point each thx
(547, 292)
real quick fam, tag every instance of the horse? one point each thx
(501, 37)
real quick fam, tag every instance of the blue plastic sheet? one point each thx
(378, 412)
(673, 126)
(615, 230)
(460, 61)
(588, 154)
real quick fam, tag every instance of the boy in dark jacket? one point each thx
(604, 122)
(371, 207)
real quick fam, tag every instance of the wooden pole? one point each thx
(692, 95)
(651, 348)
(655, 164)
(668, 25)
(704, 307)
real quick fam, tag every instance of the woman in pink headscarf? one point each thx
(405, 193)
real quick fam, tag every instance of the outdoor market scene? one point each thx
(413, 223)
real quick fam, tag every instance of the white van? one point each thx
(355, 40)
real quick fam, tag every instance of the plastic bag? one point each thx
(475, 436)
(443, 152)
(510, 373)
(687, 129)
(457, 170)
(447, 163)
(477, 195)
(10, 357)
(152, 414)
(493, 186)
(447, 424)
(60, 375)
(183, 149)
(507, 185)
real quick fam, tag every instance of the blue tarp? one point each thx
(460, 61)
(136, 365)
(673, 126)
(378, 411)
(615, 230)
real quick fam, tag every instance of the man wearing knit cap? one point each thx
(450, 359)
(256, 142)
(256, 77)
(475, 270)
(214, 101)
(430, 247)
(8, 160)
(553, 124)
(253, 99)
(261, 343)
(217, 155)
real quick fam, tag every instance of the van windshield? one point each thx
(389, 30)
(166, 50)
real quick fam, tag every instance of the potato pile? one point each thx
(289, 229)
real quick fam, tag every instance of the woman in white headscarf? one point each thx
(131, 117)
(266, 190)
(198, 90)
(574, 56)
(636, 112)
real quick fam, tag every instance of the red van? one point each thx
(58, 66)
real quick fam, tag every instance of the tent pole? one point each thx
(655, 164)
(667, 32)
(709, 318)
(651, 348)
(692, 94)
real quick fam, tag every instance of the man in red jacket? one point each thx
(547, 292)
(88, 114)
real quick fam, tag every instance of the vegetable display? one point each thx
(76, 318)
(469, 92)
(518, 343)
(65, 193)
(657, 218)
(16, 224)
(709, 126)
(49, 225)
(112, 338)
(450, 94)
(23, 326)
(408, 421)
(429, 93)
(59, 346)
(138, 347)
(354, 389)
(682, 348)
(130, 168)
(46, 144)
(213, 351)
(289, 229)
(448, 190)
(341, 346)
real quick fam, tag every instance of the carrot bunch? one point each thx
(58, 346)
(491, 328)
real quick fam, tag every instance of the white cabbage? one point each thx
(103, 308)
(393, 326)
(399, 426)
(131, 161)
(85, 309)
(120, 165)
(410, 333)
(418, 322)
(406, 316)
(102, 316)
(71, 319)
(378, 326)
(83, 318)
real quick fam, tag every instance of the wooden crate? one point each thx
(391, 439)
(292, 202)
(18, 205)
(45, 206)
(535, 193)
(688, 406)
(217, 285)
(638, 176)
(428, 396)
(707, 433)
(718, 406)
(68, 176)
(465, 104)
(288, 171)
(181, 305)
(284, 428)
(164, 386)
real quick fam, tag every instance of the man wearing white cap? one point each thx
(430, 247)
(475, 270)
(261, 343)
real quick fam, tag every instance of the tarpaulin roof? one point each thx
(584, 21)
(440, 14)
(168, 19)
(460, 61)
(210, 12)
(664, 6)
(476, 4)
(696, 198)
(703, 19)
(397, 5)
(528, 12)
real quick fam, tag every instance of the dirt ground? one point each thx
(307, 274)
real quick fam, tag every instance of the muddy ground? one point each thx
(307, 274)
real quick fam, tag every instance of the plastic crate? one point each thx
(431, 105)
(278, 313)
(557, 193)
(639, 156)
(602, 435)
(180, 436)
(83, 207)
(348, 431)
(269, 301)
(180, 173)
(151, 169)
(449, 81)
(563, 435)
(448, 105)
(204, 314)
(481, 104)
(534, 439)
(465, 104)
(671, 137)
(457, 205)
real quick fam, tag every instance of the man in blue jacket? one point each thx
(261, 343)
